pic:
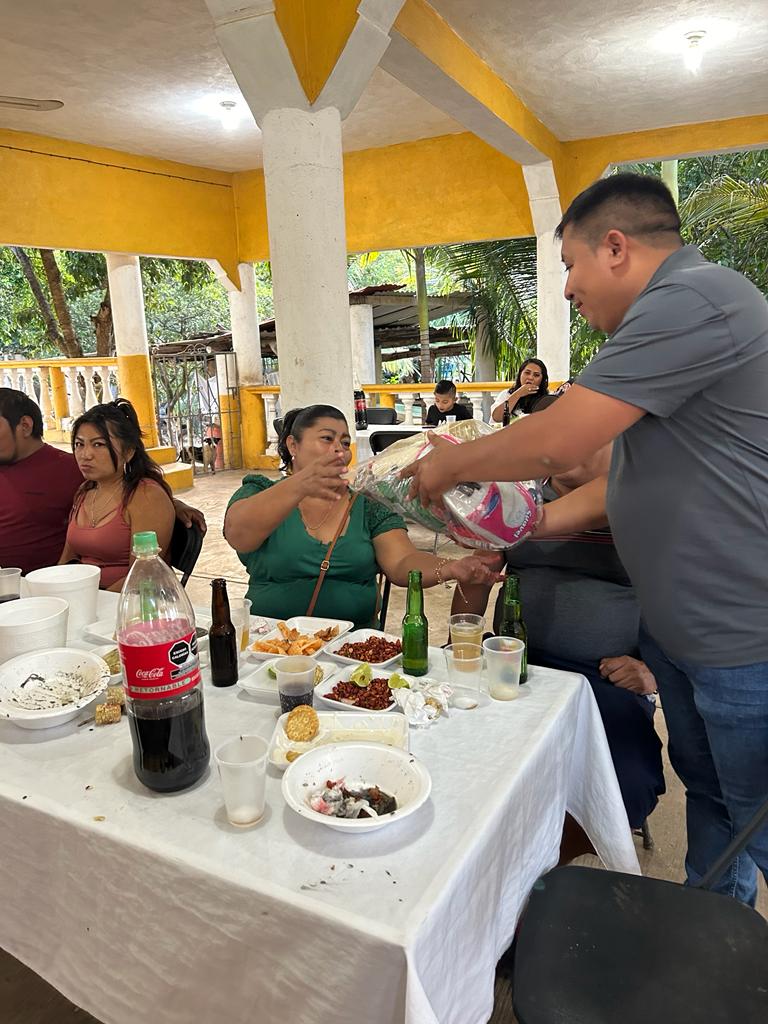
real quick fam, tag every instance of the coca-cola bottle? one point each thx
(163, 688)
(361, 411)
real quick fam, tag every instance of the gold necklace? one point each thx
(316, 526)
(94, 517)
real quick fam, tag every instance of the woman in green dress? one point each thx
(281, 530)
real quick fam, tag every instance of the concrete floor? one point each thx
(27, 999)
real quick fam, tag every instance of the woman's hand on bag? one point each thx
(480, 568)
(326, 477)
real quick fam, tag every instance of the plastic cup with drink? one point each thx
(503, 658)
(295, 681)
(242, 765)
(240, 613)
(466, 629)
(10, 585)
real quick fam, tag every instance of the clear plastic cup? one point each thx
(240, 613)
(465, 672)
(295, 681)
(242, 764)
(503, 660)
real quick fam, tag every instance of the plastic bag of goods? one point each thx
(492, 516)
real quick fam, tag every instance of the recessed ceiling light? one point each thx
(24, 103)
(693, 53)
(229, 114)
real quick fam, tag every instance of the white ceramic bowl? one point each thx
(16, 673)
(32, 624)
(393, 770)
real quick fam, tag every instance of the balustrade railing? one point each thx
(481, 395)
(63, 388)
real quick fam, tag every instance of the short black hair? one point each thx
(15, 404)
(635, 204)
(445, 387)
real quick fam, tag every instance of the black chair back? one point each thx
(379, 442)
(381, 416)
(385, 587)
(602, 946)
(186, 544)
(278, 425)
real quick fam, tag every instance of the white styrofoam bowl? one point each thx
(32, 624)
(45, 663)
(393, 770)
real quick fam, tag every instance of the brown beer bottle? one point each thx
(222, 638)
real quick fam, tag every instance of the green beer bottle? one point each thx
(415, 629)
(512, 618)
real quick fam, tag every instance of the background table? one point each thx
(162, 910)
(363, 437)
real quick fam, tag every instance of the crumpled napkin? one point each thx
(413, 701)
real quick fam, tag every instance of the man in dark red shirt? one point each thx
(37, 485)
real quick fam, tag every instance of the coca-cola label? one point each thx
(160, 670)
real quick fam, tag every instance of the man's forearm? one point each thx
(520, 452)
(582, 509)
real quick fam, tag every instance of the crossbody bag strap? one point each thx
(326, 562)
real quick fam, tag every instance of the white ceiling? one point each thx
(145, 76)
(589, 68)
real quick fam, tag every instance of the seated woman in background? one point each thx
(281, 530)
(124, 493)
(531, 384)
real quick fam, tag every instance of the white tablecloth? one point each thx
(163, 911)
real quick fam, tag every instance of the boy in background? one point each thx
(446, 405)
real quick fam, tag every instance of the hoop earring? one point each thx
(126, 467)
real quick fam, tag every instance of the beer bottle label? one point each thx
(156, 666)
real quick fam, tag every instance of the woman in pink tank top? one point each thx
(124, 493)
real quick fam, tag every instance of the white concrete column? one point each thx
(90, 390)
(244, 317)
(553, 331)
(131, 343)
(363, 350)
(308, 252)
(76, 407)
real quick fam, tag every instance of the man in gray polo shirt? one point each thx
(682, 383)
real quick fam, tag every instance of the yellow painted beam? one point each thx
(65, 195)
(423, 27)
(584, 160)
(448, 189)
(315, 33)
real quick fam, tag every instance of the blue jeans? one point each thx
(718, 745)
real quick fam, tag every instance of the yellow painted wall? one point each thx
(422, 26)
(315, 32)
(585, 160)
(449, 189)
(65, 195)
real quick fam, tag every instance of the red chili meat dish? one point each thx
(374, 650)
(376, 696)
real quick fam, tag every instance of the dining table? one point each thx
(142, 906)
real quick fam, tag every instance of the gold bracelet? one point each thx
(439, 577)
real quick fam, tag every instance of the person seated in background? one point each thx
(446, 405)
(124, 493)
(281, 531)
(582, 616)
(38, 484)
(531, 384)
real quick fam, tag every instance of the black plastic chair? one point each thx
(186, 544)
(597, 947)
(278, 425)
(379, 442)
(381, 416)
(385, 587)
